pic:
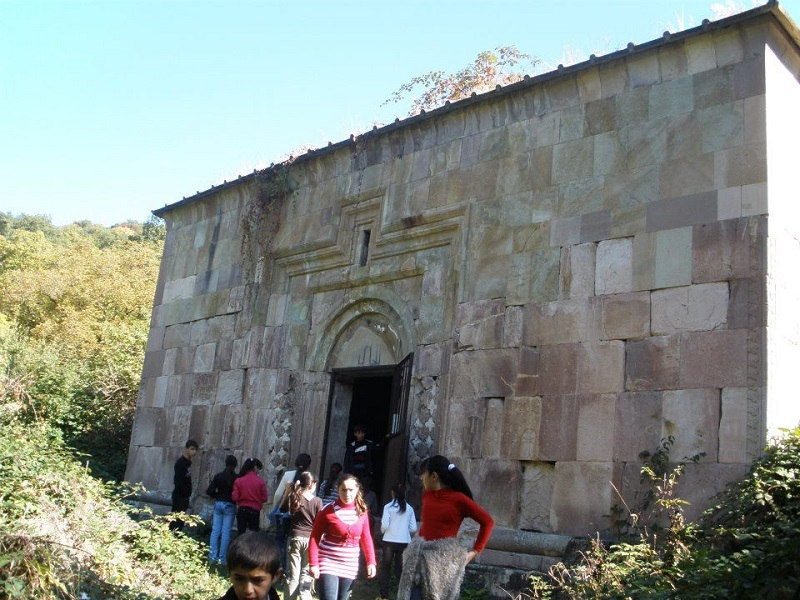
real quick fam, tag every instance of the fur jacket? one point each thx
(437, 567)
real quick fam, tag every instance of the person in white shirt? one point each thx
(398, 523)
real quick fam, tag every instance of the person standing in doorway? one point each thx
(182, 480)
(221, 489)
(250, 494)
(434, 561)
(358, 456)
(340, 529)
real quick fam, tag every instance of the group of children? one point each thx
(326, 543)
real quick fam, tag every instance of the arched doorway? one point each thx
(369, 385)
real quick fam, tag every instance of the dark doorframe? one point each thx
(376, 397)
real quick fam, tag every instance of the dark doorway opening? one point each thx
(370, 408)
(377, 398)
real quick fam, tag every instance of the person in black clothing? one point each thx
(221, 488)
(358, 457)
(183, 483)
(254, 565)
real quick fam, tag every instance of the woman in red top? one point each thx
(434, 562)
(339, 530)
(250, 494)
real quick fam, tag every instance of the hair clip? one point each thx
(450, 467)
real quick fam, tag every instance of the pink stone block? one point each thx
(558, 431)
(653, 363)
(713, 359)
(558, 369)
(625, 316)
(601, 367)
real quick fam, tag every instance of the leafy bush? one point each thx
(75, 306)
(747, 546)
(66, 535)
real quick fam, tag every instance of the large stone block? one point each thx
(582, 497)
(204, 358)
(601, 367)
(560, 322)
(178, 289)
(558, 369)
(733, 426)
(513, 326)
(538, 480)
(614, 267)
(231, 387)
(595, 433)
(490, 481)
(688, 176)
(180, 428)
(701, 483)
(653, 363)
(204, 388)
(713, 359)
(722, 250)
(521, 424)
(432, 359)
(692, 417)
(681, 211)
(684, 139)
(702, 307)
(577, 271)
(483, 373)
(144, 426)
(625, 316)
(146, 466)
(645, 143)
(671, 98)
(639, 424)
(573, 160)
(673, 264)
(741, 165)
(558, 432)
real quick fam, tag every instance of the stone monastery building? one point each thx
(540, 282)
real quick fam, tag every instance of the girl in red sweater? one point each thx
(339, 530)
(249, 494)
(433, 565)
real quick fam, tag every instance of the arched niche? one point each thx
(368, 332)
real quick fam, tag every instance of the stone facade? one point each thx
(582, 264)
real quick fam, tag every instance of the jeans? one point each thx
(247, 519)
(221, 526)
(391, 560)
(332, 587)
(298, 579)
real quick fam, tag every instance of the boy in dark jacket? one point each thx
(182, 479)
(254, 565)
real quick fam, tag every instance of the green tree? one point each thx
(77, 308)
(490, 68)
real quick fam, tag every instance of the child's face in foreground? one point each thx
(252, 584)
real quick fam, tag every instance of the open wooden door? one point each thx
(396, 441)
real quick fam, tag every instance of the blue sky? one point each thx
(111, 109)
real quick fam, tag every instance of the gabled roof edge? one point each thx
(771, 7)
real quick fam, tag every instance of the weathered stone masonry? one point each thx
(582, 264)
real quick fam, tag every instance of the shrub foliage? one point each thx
(747, 546)
(66, 535)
